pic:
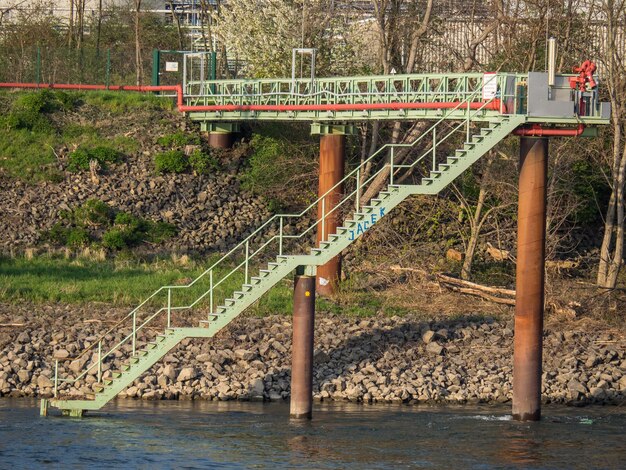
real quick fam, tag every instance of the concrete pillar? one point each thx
(529, 299)
(302, 347)
(332, 162)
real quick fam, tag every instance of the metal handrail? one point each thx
(245, 245)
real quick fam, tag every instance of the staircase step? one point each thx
(256, 280)
(248, 287)
(427, 181)
(376, 202)
(273, 265)
(239, 294)
(229, 302)
(265, 272)
(325, 245)
(317, 251)
(98, 388)
(116, 375)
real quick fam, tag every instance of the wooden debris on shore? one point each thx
(493, 294)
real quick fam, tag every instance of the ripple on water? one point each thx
(134, 434)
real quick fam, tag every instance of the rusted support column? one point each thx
(332, 162)
(220, 134)
(529, 299)
(302, 347)
(220, 140)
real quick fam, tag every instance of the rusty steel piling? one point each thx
(332, 162)
(220, 140)
(302, 347)
(529, 300)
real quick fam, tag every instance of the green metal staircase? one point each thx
(278, 251)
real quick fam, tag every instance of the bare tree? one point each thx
(138, 60)
(176, 21)
(612, 249)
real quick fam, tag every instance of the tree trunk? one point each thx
(176, 20)
(138, 61)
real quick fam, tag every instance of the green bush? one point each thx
(57, 234)
(178, 139)
(202, 163)
(77, 237)
(30, 111)
(93, 212)
(172, 161)
(158, 232)
(79, 159)
(114, 239)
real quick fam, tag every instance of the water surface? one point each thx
(135, 434)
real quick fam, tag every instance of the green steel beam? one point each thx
(322, 128)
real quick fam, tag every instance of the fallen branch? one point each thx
(410, 270)
(11, 325)
(493, 294)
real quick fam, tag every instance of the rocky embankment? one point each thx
(383, 359)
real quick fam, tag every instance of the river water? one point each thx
(154, 435)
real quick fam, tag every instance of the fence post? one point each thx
(156, 61)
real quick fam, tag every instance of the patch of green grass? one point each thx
(80, 280)
(79, 159)
(203, 163)
(28, 156)
(121, 102)
(177, 140)
(172, 161)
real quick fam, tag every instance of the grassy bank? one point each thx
(81, 280)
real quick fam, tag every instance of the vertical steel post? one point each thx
(280, 238)
(56, 377)
(332, 162)
(357, 204)
(156, 64)
(434, 148)
(529, 298)
(247, 261)
(211, 291)
(391, 157)
(99, 361)
(134, 332)
(169, 307)
(302, 347)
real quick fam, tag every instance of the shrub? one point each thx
(202, 163)
(160, 231)
(77, 237)
(29, 111)
(172, 161)
(93, 212)
(79, 159)
(114, 239)
(178, 139)
(57, 234)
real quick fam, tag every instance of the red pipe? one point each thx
(492, 106)
(538, 131)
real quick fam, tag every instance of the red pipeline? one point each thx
(537, 130)
(492, 106)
